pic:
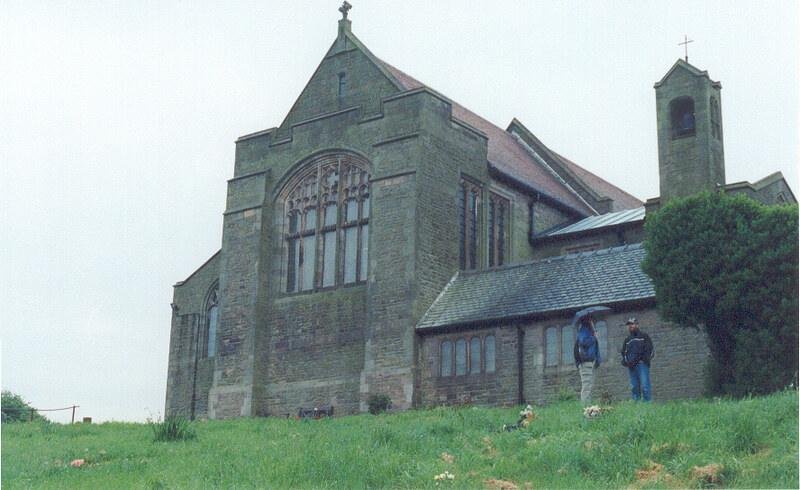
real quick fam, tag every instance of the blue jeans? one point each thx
(640, 381)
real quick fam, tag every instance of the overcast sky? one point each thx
(117, 123)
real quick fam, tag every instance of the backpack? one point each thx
(587, 345)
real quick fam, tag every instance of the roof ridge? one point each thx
(547, 166)
(620, 189)
(441, 293)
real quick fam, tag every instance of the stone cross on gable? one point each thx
(345, 8)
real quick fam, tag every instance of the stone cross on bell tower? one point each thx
(345, 8)
(685, 45)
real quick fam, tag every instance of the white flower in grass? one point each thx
(592, 412)
(444, 477)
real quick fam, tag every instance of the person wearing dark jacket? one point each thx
(587, 357)
(637, 352)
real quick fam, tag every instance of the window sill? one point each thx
(464, 378)
(682, 136)
(322, 290)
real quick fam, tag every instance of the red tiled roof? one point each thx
(622, 200)
(511, 158)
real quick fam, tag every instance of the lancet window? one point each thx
(212, 321)
(468, 210)
(716, 128)
(497, 228)
(327, 211)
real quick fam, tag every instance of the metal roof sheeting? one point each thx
(604, 220)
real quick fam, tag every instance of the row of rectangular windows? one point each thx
(480, 357)
(564, 354)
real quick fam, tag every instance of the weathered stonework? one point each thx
(677, 370)
(278, 349)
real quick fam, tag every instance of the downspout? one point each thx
(520, 365)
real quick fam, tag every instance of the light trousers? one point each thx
(586, 369)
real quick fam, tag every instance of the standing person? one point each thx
(637, 352)
(587, 357)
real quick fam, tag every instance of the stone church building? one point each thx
(386, 240)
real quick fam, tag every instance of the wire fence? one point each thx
(33, 411)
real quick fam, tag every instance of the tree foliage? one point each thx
(729, 265)
(16, 409)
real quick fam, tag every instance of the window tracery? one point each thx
(327, 213)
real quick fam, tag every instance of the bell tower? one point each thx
(689, 120)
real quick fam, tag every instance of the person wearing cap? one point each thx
(587, 357)
(637, 352)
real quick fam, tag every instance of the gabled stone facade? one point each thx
(343, 226)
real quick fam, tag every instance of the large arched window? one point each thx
(327, 209)
(681, 112)
(212, 320)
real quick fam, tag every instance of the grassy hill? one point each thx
(747, 443)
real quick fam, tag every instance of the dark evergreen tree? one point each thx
(729, 265)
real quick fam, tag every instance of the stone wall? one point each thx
(546, 217)
(596, 240)
(491, 389)
(696, 162)
(677, 370)
(189, 369)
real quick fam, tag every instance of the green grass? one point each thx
(755, 441)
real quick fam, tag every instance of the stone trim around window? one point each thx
(211, 321)
(497, 229)
(326, 209)
(470, 197)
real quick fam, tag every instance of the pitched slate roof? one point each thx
(601, 221)
(567, 282)
(513, 159)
